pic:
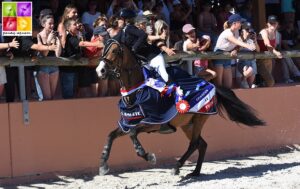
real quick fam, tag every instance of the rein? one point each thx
(116, 71)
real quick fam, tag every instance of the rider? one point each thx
(136, 39)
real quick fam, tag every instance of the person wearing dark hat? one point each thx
(267, 42)
(247, 69)
(136, 40)
(227, 42)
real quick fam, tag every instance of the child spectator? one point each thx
(227, 42)
(247, 69)
(73, 50)
(97, 88)
(267, 42)
(48, 75)
(193, 44)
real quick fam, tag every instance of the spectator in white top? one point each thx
(89, 17)
(227, 42)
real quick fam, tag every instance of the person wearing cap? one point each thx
(267, 42)
(228, 42)
(90, 85)
(247, 69)
(193, 44)
(136, 40)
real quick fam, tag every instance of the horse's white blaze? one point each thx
(99, 68)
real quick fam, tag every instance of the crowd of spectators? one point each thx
(170, 25)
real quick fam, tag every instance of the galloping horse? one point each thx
(119, 62)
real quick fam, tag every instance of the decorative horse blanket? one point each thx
(157, 103)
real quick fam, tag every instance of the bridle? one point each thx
(114, 71)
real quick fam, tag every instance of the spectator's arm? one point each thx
(97, 44)
(13, 43)
(62, 34)
(267, 43)
(234, 40)
(58, 50)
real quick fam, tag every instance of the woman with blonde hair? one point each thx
(69, 12)
(161, 28)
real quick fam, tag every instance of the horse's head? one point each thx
(111, 61)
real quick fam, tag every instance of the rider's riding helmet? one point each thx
(127, 13)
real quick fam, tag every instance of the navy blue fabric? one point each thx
(152, 108)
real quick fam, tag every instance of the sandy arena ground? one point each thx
(278, 169)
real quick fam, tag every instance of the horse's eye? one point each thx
(115, 51)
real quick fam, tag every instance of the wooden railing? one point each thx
(22, 62)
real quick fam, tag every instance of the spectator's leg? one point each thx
(67, 83)
(227, 77)
(44, 82)
(53, 83)
(10, 86)
(264, 68)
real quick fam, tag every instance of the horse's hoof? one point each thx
(151, 158)
(175, 171)
(193, 174)
(103, 170)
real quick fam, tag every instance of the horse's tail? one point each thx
(236, 109)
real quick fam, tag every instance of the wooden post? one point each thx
(259, 14)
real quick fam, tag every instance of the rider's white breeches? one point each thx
(158, 63)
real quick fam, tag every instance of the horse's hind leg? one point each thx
(202, 150)
(192, 147)
(195, 140)
(150, 157)
(104, 169)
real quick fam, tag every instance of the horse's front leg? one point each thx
(104, 169)
(150, 157)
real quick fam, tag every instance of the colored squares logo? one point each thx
(24, 24)
(17, 18)
(9, 9)
(24, 9)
